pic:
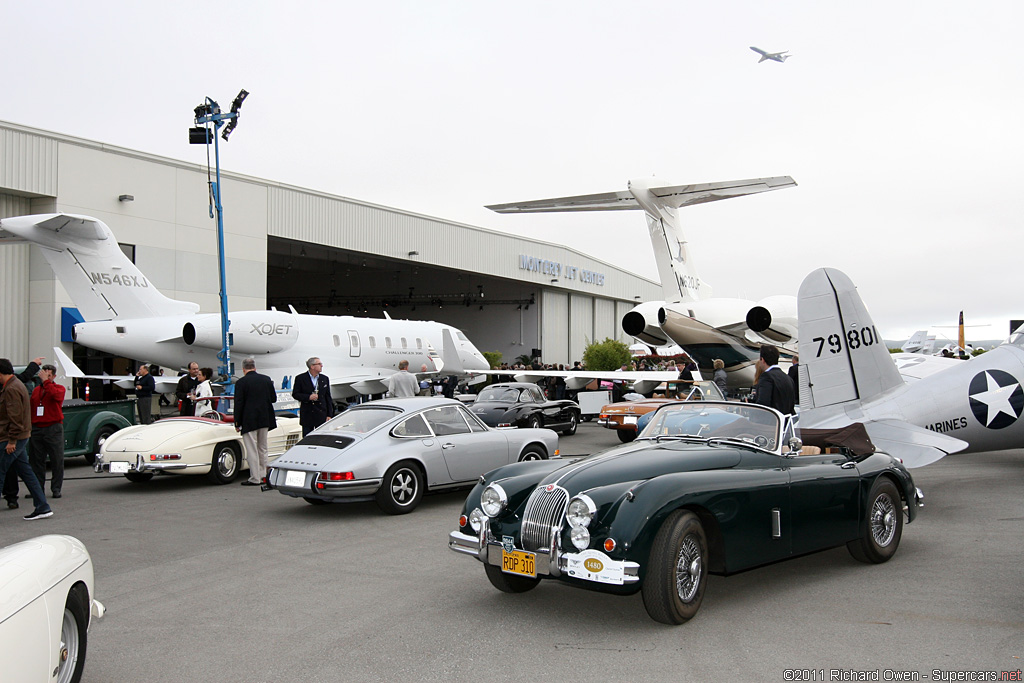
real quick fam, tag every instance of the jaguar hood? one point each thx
(638, 462)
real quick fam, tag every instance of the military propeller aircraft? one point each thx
(774, 56)
(847, 375)
(707, 328)
(126, 315)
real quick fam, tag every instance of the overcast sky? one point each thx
(900, 121)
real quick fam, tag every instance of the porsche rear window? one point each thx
(359, 420)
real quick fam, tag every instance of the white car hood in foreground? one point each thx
(30, 568)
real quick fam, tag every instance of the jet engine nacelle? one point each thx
(251, 331)
(774, 318)
(644, 322)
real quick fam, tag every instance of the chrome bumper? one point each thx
(141, 465)
(488, 550)
(918, 497)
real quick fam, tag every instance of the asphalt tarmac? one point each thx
(227, 583)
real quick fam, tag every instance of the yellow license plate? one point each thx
(518, 562)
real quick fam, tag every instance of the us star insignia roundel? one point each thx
(997, 398)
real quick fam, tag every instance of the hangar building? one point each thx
(287, 245)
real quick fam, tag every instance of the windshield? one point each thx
(499, 395)
(358, 420)
(743, 421)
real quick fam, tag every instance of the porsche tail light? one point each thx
(504, 424)
(336, 476)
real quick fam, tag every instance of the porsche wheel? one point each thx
(533, 422)
(626, 435)
(883, 526)
(138, 477)
(225, 465)
(401, 490)
(532, 453)
(509, 583)
(73, 636)
(677, 570)
(574, 422)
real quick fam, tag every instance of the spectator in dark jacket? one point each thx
(15, 430)
(10, 490)
(254, 418)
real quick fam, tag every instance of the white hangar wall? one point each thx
(174, 241)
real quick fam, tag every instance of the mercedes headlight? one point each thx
(580, 511)
(477, 519)
(493, 500)
(580, 537)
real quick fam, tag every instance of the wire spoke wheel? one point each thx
(688, 568)
(883, 520)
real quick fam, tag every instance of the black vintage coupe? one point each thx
(521, 404)
(714, 487)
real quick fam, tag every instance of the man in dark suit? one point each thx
(313, 392)
(774, 389)
(254, 418)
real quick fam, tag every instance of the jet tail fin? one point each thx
(85, 256)
(677, 270)
(843, 356)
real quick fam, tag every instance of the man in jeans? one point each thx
(15, 429)
(48, 430)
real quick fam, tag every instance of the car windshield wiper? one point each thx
(678, 437)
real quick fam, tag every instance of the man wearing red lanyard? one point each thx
(48, 430)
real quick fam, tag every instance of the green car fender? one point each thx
(99, 421)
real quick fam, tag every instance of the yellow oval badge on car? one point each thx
(593, 564)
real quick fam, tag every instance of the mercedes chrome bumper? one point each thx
(140, 465)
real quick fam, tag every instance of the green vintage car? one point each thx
(713, 486)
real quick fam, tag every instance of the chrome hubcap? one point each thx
(226, 461)
(883, 520)
(68, 648)
(688, 569)
(403, 487)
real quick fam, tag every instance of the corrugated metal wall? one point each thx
(554, 327)
(14, 289)
(581, 326)
(28, 163)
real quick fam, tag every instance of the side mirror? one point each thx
(795, 445)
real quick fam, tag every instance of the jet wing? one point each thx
(164, 385)
(916, 446)
(606, 201)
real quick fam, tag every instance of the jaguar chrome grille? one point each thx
(544, 511)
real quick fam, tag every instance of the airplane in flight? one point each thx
(847, 375)
(706, 327)
(126, 315)
(774, 56)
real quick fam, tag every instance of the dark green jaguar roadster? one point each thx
(707, 487)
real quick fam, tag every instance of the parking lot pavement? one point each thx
(226, 583)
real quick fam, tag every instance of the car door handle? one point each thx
(848, 465)
(447, 445)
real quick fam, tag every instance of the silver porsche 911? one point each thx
(393, 450)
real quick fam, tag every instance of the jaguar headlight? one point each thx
(580, 511)
(493, 500)
(580, 537)
(477, 519)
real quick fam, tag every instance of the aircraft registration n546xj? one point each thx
(706, 327)
(126, 315)
(847, 375)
